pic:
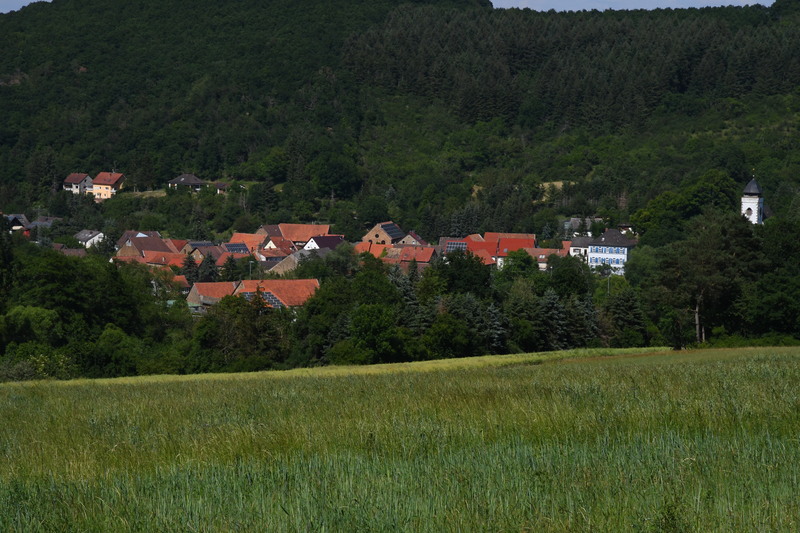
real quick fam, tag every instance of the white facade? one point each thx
(753, 203)
(614, 256)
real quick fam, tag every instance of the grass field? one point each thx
(571, 441)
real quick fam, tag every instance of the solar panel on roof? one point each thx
(393, 231)
(197, 244)
(453, 246)
(236, 247)
(272, 300)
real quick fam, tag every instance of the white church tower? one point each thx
(753, 203)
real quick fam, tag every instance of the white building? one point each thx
(612, 248)
(753, 203)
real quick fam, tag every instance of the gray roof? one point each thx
(752, 188)
(581, 242)
(392, 230)
(186, 179)
(613, 237)
(85, 235)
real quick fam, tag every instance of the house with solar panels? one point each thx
(384, 233)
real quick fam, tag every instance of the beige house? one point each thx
(384, 233)
(106, 185)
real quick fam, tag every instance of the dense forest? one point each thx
(448, 117)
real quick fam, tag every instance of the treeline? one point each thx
(447, 117)
(724, 282)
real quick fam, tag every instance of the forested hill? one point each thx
(448, 116)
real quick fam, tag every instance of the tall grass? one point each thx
(691, 441)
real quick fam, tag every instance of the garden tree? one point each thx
(190, 270)
(114, 354)
(518, 264)
(411, 314)
(322, 321)
(373, 338)
(462, 272)
(230, 270)
(238, 335)
(207, 271)
(570, 275)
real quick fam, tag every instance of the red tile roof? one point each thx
(283, 244)
(512, 244)
(303, 232)
(108, 178)
(374, 249)
(178, 244)
(150, 244)
(291, 292)
(495, 236)
(252, 240)
(76, 177)
(485, 256)
(163, 258)
(420, 254)
(225, 255)
(214, 289)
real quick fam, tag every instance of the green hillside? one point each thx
(402, 110)
(695, 441)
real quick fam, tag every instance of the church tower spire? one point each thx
(753, 203)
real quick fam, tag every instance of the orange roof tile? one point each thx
(485, 256)
(374, 249)
(108, 178)
(489, 248)
(303, 232)
(291, 292)
(225, 255)
(495, 236)
(76, 177)
(512, 244)
(152, 257)
(252, 240)
(420, 254)
(214, 289)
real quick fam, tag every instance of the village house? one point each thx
(106, 185)
(278, 293)
(186, 181)
(78, 183)
(136, 246)
(376, 250)
(612, 249)
(251, 241)
(324, 241)
(18, 222)
(384, 233)
(89, 237)
(203, 295)
(412, 239)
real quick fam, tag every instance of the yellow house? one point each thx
(106, 185)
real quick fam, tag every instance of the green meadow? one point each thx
(594, 440)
